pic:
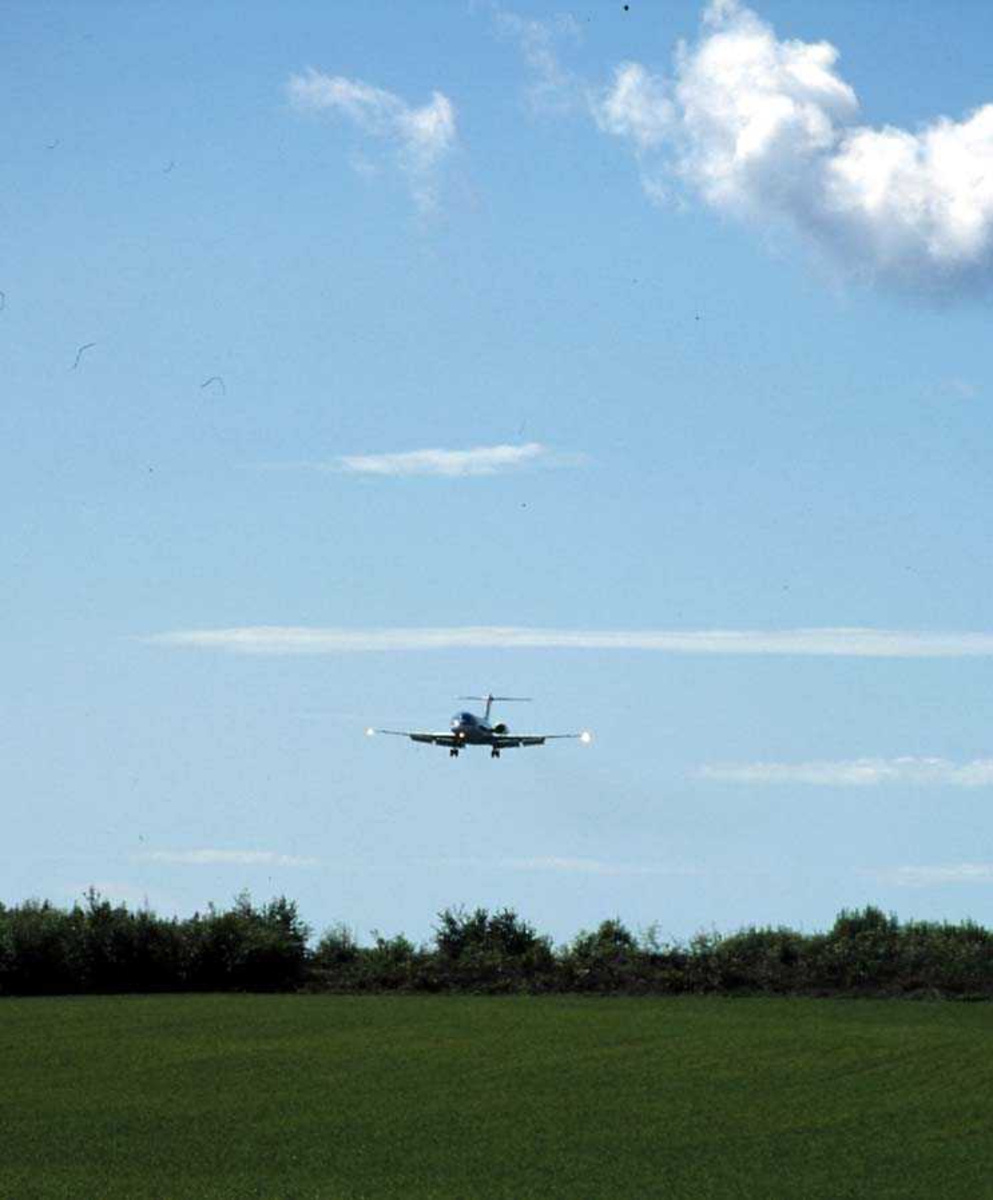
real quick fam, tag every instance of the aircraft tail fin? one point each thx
(489, 698)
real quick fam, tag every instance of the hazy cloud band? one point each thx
(240, 858)
(935, 876)
(858, 772)
(828, 642)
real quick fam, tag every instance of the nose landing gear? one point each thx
(494, 753)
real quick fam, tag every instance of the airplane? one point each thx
(469, 729)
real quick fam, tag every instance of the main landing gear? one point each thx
(494, 753)
(454, 752)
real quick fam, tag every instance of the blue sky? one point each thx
(470, 319)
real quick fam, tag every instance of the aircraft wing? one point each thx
(508, 741)
(430, 739)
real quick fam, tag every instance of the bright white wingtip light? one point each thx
(586, 737)
(370, 731)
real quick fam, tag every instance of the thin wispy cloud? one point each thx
(637, 107)
(589, 866)
(450, 464)
(236, 858)
(421, 137)
(480, 460)
(767, 129)
(935, 876)
(961, 388)
(552, 88)
(841, 643)
(858, 772)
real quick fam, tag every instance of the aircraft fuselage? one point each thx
(474, 730)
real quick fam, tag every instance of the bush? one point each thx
(247, 949)
(336, 947)
(480, 952)
(44, 954)
(504, 933)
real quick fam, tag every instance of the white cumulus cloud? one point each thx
(422, 136)
(858, 772)
(844, 643)
(767, 128)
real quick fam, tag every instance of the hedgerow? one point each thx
(97, 946)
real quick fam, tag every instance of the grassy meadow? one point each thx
(347, 1096)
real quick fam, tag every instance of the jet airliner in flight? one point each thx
(470, 729)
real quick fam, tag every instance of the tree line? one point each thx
(100, 947)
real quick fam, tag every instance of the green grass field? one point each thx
(326, 1096)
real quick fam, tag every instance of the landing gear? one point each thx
(494, 753)
(454, 752)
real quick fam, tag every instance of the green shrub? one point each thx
(336, 947)
(503, 933)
